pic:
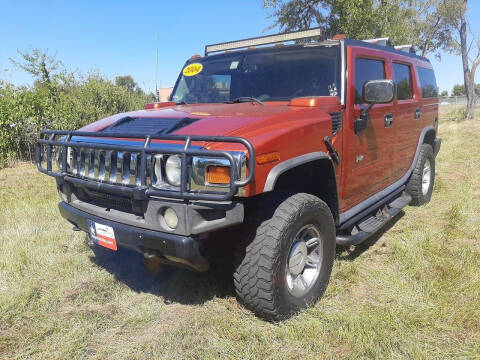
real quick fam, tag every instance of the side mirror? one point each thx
(378, 91)
(374, 92)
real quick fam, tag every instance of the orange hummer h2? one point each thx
(272, 153)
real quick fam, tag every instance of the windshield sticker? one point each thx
(332, 89)
(193, 69)
(234, 65)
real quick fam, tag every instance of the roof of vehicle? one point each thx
(326, 43)
(390, 49)
(266, 49)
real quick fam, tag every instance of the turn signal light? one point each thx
(218, 175)
(268, 158)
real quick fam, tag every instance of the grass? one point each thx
(412, 291)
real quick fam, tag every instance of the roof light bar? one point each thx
(263, 40)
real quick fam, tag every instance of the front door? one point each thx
(370, 153)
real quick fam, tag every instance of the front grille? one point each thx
(114, 167)
(106, 200)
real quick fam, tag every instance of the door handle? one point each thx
(388, 120)
(418, 113)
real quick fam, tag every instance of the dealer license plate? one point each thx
(102, 235)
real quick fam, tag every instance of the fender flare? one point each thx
(286, 165)
(292, 163)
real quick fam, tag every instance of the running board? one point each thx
(370, 225)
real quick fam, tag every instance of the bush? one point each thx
(67, 102)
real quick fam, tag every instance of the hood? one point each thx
(244, 119)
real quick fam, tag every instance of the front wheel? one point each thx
(287, 266)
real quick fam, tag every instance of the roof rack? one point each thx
(406, 48)
(263, 40)
(380, 41)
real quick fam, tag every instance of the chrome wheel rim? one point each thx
(427, 177)
(304, 261)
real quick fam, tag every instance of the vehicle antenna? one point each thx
(156, 70)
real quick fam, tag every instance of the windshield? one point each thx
(278, 74)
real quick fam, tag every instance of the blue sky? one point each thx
(120, 37)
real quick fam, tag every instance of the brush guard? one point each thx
(50, 139)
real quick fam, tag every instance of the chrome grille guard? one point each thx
(122, 169)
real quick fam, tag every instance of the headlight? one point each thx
(173, 169)
(214, 173)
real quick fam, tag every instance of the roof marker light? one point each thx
(158, 105)
(196, 56)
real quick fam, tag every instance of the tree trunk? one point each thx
(471, 100)
(467, 74)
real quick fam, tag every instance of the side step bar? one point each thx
(370, 225)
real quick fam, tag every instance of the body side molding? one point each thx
(279, 169)
(345, 216)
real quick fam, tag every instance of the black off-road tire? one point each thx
(414, 185)
(260, 276)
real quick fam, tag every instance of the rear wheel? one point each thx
(420, 185)
(288, 263)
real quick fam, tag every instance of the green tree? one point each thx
(417, 22)
(444, 93)
(43, 67)
(58, 100)
(127, 82)
(459, 90)
(38, 63)
(466, 44)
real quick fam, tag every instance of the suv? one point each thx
(274, 153)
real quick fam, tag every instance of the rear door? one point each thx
(407, 116)
(371, 153)
(429, 95)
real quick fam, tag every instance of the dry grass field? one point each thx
(411, 292)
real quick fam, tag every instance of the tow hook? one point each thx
(333, 152)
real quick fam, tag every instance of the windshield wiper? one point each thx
(181, 103)
(244, 99)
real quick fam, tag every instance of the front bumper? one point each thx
(194, 217)
(178, 249)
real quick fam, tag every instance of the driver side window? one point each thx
(365, 70)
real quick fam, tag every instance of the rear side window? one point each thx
(403, 81)
(365, 70)
(428, 82)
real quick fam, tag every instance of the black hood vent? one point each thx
(148, 126)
